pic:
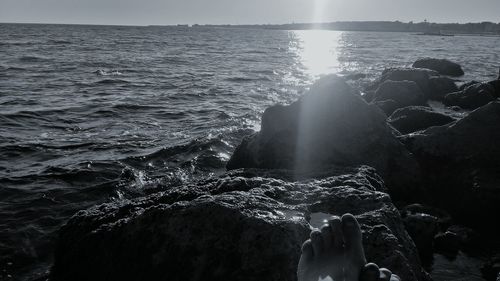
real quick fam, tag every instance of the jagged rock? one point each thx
(245, 225)
(331, 125)
(405, 93)
(415, 118)
(461, 163)
(473, 96)
(443, 66)
(417, 75)
(440, 87)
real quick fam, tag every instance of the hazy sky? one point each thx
(144, 12)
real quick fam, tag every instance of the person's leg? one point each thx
(336, 251)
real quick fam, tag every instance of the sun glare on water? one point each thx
(318, 51)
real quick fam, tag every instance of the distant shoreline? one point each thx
(480, 28)
(483, 28)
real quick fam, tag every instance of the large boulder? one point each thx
(245, 225)
(330, 125)
(423, 223)
(443, 66)
(461, 162)
(420, 76)
(405, 93)
(441, 86)
(415, 118)
(474, 96)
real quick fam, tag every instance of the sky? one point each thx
(164, 12)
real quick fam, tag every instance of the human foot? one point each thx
(371, 272)
(335, 251)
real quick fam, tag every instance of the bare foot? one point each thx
(336, 252)
(371, 272)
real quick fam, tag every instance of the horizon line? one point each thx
(243, 24)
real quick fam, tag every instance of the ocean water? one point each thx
(91, 114)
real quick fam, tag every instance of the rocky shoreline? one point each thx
(420, 179)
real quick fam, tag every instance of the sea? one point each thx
(92, 114)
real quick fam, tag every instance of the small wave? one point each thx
(101, 72)
(112, 81)
(246, 79)
(31, 59)
(128, 106)
(15, 68)
(255, 52)
(59, 42)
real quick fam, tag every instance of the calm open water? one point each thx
(90, 114)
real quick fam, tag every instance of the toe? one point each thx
(305, 262)
(317, 242)
(336, 228)
(307, 250)
(352, 235)
(370, 272)
(326, 233)
(394, 277)
(385, 274)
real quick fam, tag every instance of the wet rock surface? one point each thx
(415, 118)
(330, 125)
(246, 225)
(443, 66)
(473, 96)
(419, 76)
(441, 86)
(461, 164)
(296, 173)
(405, 93)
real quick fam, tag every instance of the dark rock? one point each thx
(422, 228)
(473, 96)
(469, 239)
(245, 225)
(423, 223)
(466, 85)
(387, 106)
(419, 76)
(415, 118)
(447, 243)
(405, 93)
(331, 125)
(496, 87)
(443, 66)
(461, 163)
(491, 269)
(440, 87)
(443, 217)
